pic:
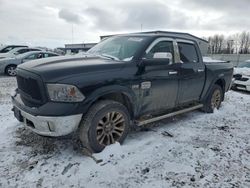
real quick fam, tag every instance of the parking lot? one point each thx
(202, 150)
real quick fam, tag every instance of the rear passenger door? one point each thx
(192, 72)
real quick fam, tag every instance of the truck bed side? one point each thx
(217, 73)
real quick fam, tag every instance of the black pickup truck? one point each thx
(123, 82)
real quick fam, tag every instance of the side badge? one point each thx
(146, 85)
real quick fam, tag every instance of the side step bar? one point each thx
(141, 123)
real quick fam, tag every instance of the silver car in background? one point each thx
(7, 48)
(17, 51)
(8, 65)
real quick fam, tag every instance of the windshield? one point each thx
(118, 48)
(246, 64)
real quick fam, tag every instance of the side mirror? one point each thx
(159, 58)
(163, 55)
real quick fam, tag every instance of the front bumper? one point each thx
(48, 126)
(241, 85)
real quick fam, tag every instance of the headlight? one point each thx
(64, 93)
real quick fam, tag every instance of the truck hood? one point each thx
(63, 67)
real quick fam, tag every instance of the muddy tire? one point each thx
(11, 70)
(105, 123)
(213, 100)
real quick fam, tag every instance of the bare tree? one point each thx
(244, 42)
(236, 43)
(216, 44)
(236, 38)
(221, 39)
(229, 45)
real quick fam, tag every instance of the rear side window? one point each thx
(49, 55)
(188, 53)
(22, 51)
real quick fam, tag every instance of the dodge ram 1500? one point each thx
(123, 82)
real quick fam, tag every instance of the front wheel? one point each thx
(11, 70)
(105, 123)
(214, 99)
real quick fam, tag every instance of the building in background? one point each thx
(76, 48)
(203, 44)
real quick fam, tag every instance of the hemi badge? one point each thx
(145, 85)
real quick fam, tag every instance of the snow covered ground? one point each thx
(206, 150)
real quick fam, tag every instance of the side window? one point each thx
(48, 55)
(35, 56)
(30, 57)
(188, 53)
(40, 55)
(52, 55)
(22, 51)
(162, 46)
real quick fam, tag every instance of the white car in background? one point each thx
(242, 77)
(17, 51)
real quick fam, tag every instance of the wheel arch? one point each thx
(120, 97)
(120, 94)
(221, 82)
(216, 81)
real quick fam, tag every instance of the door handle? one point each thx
(200, 70)
(172, 72)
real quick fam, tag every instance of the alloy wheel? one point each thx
(216, 99)
(11, 71)
(110, 128)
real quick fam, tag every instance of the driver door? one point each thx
(159, 82)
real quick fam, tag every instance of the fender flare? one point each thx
(105, 90)
(217, 78)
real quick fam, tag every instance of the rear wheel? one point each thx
(106, 122)
(11, 70)
(214, 99)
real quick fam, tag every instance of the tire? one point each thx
(214, 99)
(102, 123)
(11, 70)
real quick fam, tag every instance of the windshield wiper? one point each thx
(109, 56)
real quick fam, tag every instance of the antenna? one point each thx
(72, 34)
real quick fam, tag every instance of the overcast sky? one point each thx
(49, 22)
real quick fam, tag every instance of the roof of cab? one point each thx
(162, 33)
